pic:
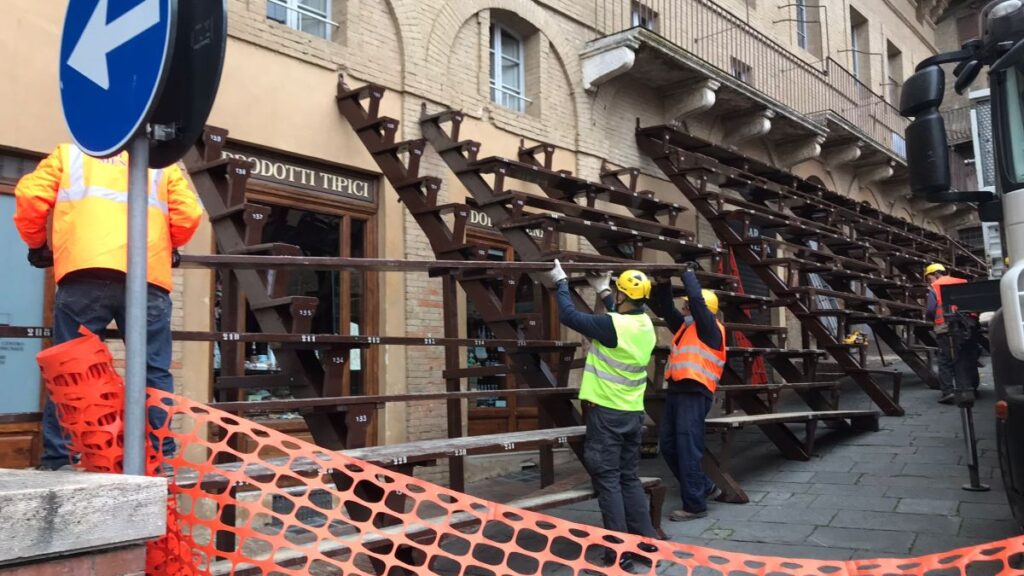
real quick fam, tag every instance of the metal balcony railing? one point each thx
(958, 124)
(724, 40)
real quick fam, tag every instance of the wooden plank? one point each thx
(395, 454)
(47, 514)
(733, 422)
(338, 401)
(536, 502)
(777, 387)
(441, 448)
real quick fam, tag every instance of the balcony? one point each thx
(958, 125)
(687, 43)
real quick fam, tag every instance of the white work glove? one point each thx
(552, 277)
(600, 282)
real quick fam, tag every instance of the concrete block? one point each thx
(51, 513)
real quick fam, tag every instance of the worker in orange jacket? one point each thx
(957, 357)
(87, 199)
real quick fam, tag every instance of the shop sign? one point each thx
(308, 175)
(478, 219)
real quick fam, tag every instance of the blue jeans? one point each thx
(93, 303)
(682, 445)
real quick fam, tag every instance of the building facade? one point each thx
(806, 86)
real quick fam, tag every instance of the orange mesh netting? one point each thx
(249, 500)
(89, 396)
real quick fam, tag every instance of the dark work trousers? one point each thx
(965, 365)
(947, 371)
(958, 366)
(94, 303)
(682, 446)
(611, 453)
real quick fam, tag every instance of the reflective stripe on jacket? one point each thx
(88, 200)
(937, 287)
(692, 359)
(617, 377)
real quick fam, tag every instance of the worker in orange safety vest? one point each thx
(957, 363)
(85, 202)
(695, 365)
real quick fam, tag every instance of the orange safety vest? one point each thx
(937, 287)
(88, 198)
(691, 359)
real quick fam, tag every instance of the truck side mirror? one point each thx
(927, 149)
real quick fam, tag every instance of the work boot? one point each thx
(684, 516)
(714, 493)
(947, 398)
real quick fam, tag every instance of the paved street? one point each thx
(895, 492)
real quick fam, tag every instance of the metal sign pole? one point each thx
(136, 303)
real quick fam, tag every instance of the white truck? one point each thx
(1000, 50)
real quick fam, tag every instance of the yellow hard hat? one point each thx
(710, 300)
(634, 284)
(933, 268)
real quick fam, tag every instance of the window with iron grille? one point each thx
(309, 16)
(972, 238)
(644, 16)
(508, 82)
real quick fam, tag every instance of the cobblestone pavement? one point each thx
(892, 493)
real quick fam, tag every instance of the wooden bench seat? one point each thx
(727, 425)
(773, 392)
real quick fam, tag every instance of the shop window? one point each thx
(345, 299)
(644, 16)
(508, 68)
(309, 16)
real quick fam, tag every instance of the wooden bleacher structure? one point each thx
(787, 230)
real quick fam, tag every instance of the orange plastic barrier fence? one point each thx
(246, 499)
(89, 396)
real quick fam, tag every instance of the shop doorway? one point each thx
(347, 300)
(501, 413)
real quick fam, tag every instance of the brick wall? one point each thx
(437, 52)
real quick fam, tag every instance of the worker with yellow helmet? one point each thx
(695, 366)
(949, 356)
(612, 390)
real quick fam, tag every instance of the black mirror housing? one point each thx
(922, 91)
(928, 155)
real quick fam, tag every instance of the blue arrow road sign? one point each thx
(113, 58)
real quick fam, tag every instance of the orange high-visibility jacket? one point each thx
(692, 359)
(88, 198)
(940, 318)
